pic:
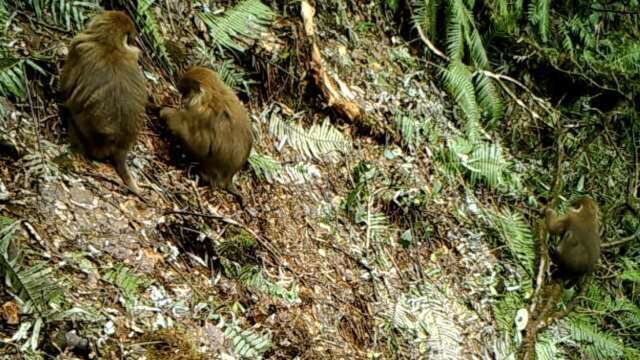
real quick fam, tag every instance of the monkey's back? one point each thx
(579, 250)
(106, 95)
(227, 124)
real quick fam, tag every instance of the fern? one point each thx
(151, 28)
(267, 168)
(239, 25)
(35, 285)
(253, 277)
(455, 32)
(595, 343)
(516, 233)
(319, 141)
(128, 282)
(539, 15)
(548, 347)
(426, 16)
(458, 80)
(69, 14)
(411, 130)
(13, 78)
(430, 323)
(487, 164)
(264, 166)
(13, 75)
(233, 75)
(489, 97)
(246, 343)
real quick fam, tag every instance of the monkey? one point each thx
(214, 125)
(105, 91)
(579, 250)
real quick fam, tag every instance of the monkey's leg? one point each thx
(120, 163)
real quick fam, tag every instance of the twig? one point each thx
(538, 321)
(561, 314)
(611, 244)
(426, 40)
(266, 244)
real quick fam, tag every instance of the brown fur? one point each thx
(105, 90)
(214, 125)
(579, 249)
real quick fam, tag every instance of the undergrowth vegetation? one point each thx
(413, 232)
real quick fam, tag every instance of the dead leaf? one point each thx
(11, 313)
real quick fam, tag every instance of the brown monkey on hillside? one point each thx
(579, 249)
(105, 90)
(214, 126)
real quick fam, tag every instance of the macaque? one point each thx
(579, 249)
(105, 90)
(214, 126)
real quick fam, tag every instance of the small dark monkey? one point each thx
(579, 249)
(214, 126)
(105, 90)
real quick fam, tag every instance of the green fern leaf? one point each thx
(247, 343)
(594, 342)
(487, 164)
(35, 286)
(489, 97)
(240, 25)
(426, 17)
(516, 233)
(319, 142)
(12, 78)
(455, 33)
(151, 30)
(539, 13)
(459, 82)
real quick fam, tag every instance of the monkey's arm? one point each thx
(174, 121)
(183, 124)
(556, 224)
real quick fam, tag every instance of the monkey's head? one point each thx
(585, 207)
(113, 28)
(192, 84)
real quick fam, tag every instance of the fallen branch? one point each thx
(335, 91)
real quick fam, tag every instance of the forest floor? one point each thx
(294, 274)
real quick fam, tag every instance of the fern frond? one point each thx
(70, 14)
(411, 130)
(35, 286)
(548, 347)
(129, 283)
(240, 25)
(319, 141)
(489, 97)
(455, 32)
(487, 164)
(425, 16)
(594, 342)
(151, 29)
(516, 233)
(377, 226)
(478, 53)
(459, 82)
(264, 166)
(13, 78)
(539, 15)
(253, 277)
(247, 343)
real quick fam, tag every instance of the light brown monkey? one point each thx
(579, 249)
(105, 90)
(214, 126)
